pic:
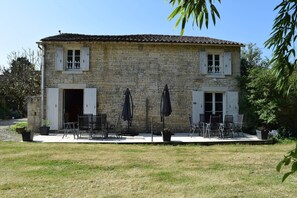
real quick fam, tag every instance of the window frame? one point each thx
(74, 65)
(213, 104)
(215, 69)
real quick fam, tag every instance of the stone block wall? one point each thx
(34, 113)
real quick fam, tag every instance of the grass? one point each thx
(99, 170)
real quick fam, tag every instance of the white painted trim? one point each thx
(72, 72)
(90, 101)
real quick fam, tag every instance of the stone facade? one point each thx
(34, 113)
(144, 68)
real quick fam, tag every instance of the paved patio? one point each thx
(147, 138)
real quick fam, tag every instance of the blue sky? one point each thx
(24, 22)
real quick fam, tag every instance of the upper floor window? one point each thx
(73, 59)
(214, 64)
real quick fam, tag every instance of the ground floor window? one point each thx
(213, 103)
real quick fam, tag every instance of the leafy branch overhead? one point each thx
(197, 10)
(282, 40)
(290, 158)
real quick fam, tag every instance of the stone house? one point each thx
(85, 74)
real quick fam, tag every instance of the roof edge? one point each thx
(144, 38)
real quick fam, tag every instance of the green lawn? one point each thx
(103, 170)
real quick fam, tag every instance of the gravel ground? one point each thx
(6, 134)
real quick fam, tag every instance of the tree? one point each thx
(263, 96)
(18, 82)
(251, 58)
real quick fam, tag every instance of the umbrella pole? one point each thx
(163, 123)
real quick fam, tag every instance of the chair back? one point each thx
(240, 120)
(84, 122)
(228, 119)
(202, 118)
(190, 120)
(99, 122)
(214, 121)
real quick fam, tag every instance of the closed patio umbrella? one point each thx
(127, 113)
(165, 106)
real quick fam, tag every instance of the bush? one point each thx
(18, 125)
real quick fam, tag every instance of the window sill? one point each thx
(72, 72)
(215, 75)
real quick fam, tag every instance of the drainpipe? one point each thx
(42, 80)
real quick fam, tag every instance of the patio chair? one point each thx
(194, 127)
(99, 124)
(238, 124)
(84, 124)
(227, 126)
(114, 128)
(202, 123)
(213, 127)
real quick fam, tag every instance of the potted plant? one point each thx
(44, 129)
(21, 128)
(27, 136)
(166, 133)
(262, 133)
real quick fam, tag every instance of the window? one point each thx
(213, 104)
(73, 59)
(214, 65)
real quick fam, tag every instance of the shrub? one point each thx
(18, 125)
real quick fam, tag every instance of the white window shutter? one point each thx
(198, 105)
(59, 59)
(90, 101)
(203, 62)
(232, 103)
(227, 63)
(52, 107)
(85, 58)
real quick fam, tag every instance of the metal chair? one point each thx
(84, 124)
(202, 123)
(194, 127)
(99, 124)
(227, 126)
(238, 124)
(213, 127)
(114, 130)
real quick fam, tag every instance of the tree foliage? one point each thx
(250, 58)
(290, 158)
(197, 10)
(263, 95)
(19, 81)
(282, 41)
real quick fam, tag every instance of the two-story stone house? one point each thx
(89, 73)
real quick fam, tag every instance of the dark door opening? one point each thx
(73, 104)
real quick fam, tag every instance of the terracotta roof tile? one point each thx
(155, 38)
